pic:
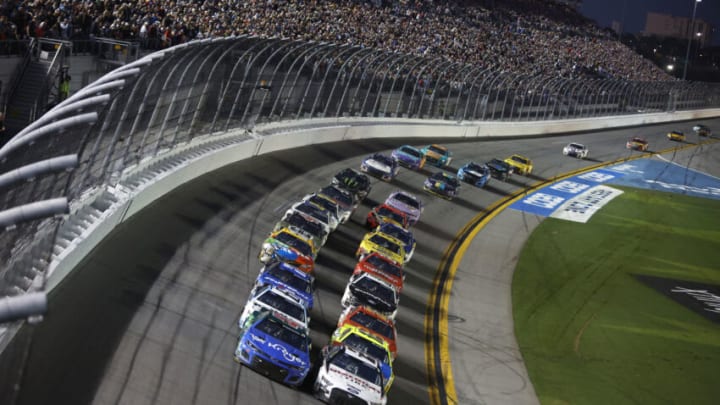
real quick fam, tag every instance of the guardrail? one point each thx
(209, 95)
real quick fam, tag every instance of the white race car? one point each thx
(284, 306)
(577, 150)
(347, 376)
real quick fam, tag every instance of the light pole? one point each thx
(690, 37)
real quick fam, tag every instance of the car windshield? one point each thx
(398, 233)
(519, 159)
(384, 159)
(407, 200)
(384, 265)
(294, 242)
(367, 347)
(393, 215)
(374, 324)
(475, 167)
(576, 146)
(357, 367)
(306, 225)
(338, 196)
(290, 278)
(437, 149)
(411, 151)
(386, 243)
(326, 204)
(314, 211)
(282, 305)
(280, 331)
(372, 287)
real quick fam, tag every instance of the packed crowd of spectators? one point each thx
(531, 37)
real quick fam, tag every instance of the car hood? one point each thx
(353, 384)
(374, 301)
(411, 211)
(281, 285)
(377, 165)
(405, 156)
(278, 349)
(382, 250)
(286, 252)
(475, 172)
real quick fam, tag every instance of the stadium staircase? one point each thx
(33, 87)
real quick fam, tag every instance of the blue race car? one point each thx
(442, 184)
(474, 173)
(410, 157)
(379, 165)
(401, 234)
(288, 278)
(273, 348)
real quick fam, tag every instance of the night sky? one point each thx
(607, 11)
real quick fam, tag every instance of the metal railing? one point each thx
(209, 87)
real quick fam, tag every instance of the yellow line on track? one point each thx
(441, 387)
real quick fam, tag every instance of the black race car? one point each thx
(353, 181)
(499, 169)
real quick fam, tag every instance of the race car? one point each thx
(315, 212)
(407, 203)
(676, 136)
(383, 244)
(577, 150)
(364, 341)
(324, 202)
(358, 184)
(474, 173)
(381, 266)
(437, 155)
(283, 305)
(702, 130)
(520, 164)
(289, 246)
(307, 224)
(442, 184)
(373, 322)
(637, 143)
(371, 291)
(499, 169)
(275, 349)
(349, 376)
(343, 198)
(401, 234)
(379, 165)
(385, 213)
(409, 157)
(289, 279)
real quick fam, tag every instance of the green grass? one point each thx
(590, 333)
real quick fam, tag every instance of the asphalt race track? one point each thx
(150, 317)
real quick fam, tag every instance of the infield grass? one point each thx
(590, 333)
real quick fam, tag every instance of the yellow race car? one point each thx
(520, 164)
(676, 136)
(365, 341)
(383, 244)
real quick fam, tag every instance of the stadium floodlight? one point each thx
(670, 67)
(15, 308)
(690, 30)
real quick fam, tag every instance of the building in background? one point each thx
(666, 25)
